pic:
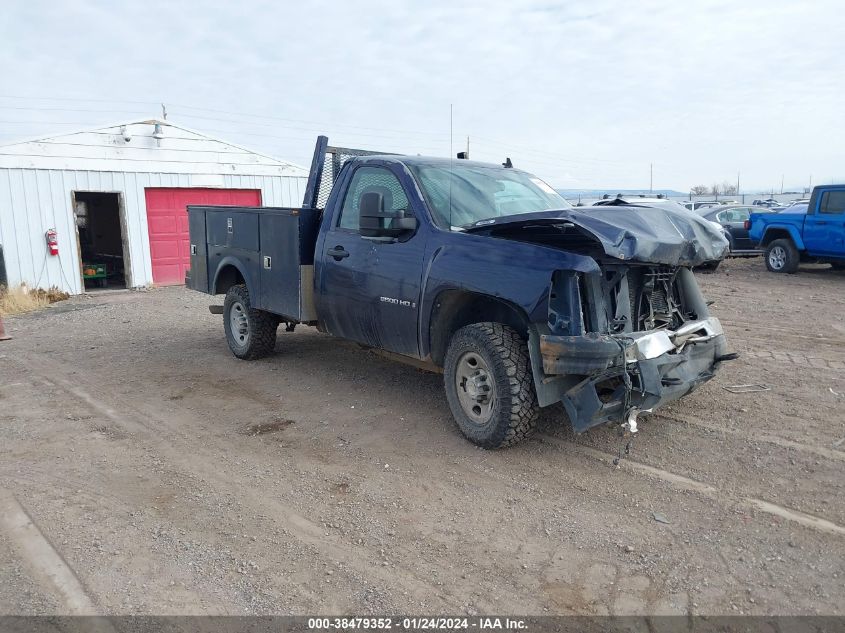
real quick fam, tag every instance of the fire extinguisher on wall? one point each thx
(52, 242)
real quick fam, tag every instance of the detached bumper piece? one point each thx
(628, 373)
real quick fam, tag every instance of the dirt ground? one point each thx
(144, 469)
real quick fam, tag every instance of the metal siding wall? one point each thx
(62, 220)
(65, 182)
(26, 246)
(34, 200)
(38, 188)
(8, 228)
(276, 191)
(135, 206)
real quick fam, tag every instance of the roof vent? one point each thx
(158, 133)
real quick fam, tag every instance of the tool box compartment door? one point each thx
(198, 273)
(279, 263)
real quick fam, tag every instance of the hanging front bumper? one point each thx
(610, 376)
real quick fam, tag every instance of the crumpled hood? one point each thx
(645, 234)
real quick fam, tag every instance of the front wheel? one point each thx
(250, 333)
(782, 256)
(489, 385)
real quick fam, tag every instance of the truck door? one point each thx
(369, 289)
(824, 226)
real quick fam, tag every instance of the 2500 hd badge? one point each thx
(399, 302)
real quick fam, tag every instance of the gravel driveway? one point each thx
(144, 469)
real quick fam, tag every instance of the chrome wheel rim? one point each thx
(777, 257)
(239, 323)
(475, 387)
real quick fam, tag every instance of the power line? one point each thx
(43, 123)
(40, 109)
(276, 125)
(263, 120)
(360, 137)
(322, 124)
(537, 152)
(239, 114)
(260, 135)
(548, 160)
(78, 99)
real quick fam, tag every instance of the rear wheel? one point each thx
(250, 333)
(782, 256)
(837, 265)
(489, 385)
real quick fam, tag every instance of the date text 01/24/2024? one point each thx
(416, 623)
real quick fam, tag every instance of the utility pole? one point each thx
(650, 177)
(737, 187)
(781, 184)
(163, 112)
(810, 189)
(467, 147)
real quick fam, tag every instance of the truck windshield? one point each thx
(463, 195)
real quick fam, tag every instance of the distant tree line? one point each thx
(725, 189)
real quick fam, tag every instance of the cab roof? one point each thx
(429, 161)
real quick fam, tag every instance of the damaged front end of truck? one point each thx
(633, 333)
(634, 337)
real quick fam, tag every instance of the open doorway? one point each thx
(102, 240)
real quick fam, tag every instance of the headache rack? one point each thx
(325, 167)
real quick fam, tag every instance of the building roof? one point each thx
(178, 150)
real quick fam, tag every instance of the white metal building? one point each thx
(116, 199)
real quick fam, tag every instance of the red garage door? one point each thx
(167, 219)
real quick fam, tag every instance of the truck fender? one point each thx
(778, 231)
(453, 309)
(219, 276)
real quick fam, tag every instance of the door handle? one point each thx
(821, 221)
(338, 252)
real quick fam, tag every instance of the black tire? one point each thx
(254, 336)
(513, 408)
(782, 256)
(837, 265)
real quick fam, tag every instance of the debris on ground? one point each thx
(171, 477)
(746, 388)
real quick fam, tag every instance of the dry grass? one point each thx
(23, 299)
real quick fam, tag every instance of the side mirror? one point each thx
(373, 221)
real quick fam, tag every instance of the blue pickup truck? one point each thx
(481, 272)
(803, 233)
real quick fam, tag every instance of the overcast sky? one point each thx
(585, 94)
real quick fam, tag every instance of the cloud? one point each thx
(588, 92)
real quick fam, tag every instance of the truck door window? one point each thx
(366, 180)
(833, 202)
